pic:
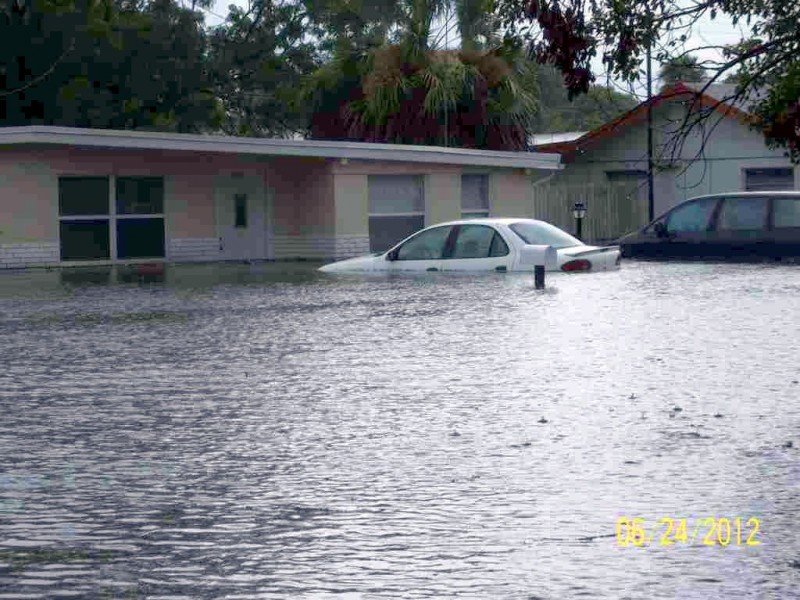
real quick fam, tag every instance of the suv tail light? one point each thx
(580, 264)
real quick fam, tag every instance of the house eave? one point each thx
(141, 140)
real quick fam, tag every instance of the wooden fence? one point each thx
(612, 209)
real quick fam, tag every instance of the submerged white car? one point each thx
(486, 245)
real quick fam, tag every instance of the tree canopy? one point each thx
(103, 63)
(405, 71)
(681, 68)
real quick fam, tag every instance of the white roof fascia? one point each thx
(125, 139)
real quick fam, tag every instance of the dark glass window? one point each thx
(385, 232)
(742, 214)
(786, 212)
(240, 208)
(428, 245)
(140, 195)
(781, 178)
(499, 246)
(473, 241)
(140, 238)
(691, 217)
(83, 196)
(85, 240)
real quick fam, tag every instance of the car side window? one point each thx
(427, 245)
(694, 216)
(473, 241)
(785, 212)
(743, 214)
(498, 247)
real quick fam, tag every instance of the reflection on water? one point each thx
(261, 431)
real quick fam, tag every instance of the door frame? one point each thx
(257, 191)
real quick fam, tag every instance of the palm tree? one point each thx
(683, 68)
(410, 89)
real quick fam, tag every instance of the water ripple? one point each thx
(263, 432)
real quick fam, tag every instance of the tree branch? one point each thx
(38, 79)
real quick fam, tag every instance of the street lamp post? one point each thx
(579, 212)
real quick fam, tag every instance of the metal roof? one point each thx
(554, 138)
(148, 140)
(727, 93)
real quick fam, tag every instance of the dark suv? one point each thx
(739, 226)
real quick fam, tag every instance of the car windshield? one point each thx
(540, 233)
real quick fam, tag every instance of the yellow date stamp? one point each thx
(708, 531)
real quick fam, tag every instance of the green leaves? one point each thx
(572, 31)
(98, 63)
(685, 68)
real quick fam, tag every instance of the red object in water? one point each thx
(580, 264)
(149, 269)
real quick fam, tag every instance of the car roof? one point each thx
(789, 193)
(488, 221)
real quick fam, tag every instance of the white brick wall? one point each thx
(329, 247)
(46, 254)
(18, 256)
(348, 246)
(193, 249)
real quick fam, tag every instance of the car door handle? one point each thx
(501, 269)
(430, 269)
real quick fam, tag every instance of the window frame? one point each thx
(112, 217)
(474, 213)
(402, 214)
(747, 170)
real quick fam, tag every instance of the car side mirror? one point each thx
(392, 255)
(660, 230)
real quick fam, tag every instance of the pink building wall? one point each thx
(303, 192)
(302, 189)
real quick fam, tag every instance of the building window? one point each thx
(757, 180)
(240, 210)
(83, 208)
(99, 220)
(396, 209)
(474, 196)
(140, 195)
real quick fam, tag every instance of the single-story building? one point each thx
(73, 196)
(724, 154)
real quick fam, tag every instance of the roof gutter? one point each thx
(103, 138)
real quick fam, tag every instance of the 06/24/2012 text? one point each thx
(707, 531)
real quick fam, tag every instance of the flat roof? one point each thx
(150, 140)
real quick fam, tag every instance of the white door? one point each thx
(478, 248)
(423, 252)
(241, 215)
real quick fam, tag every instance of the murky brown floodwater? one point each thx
(263, 432)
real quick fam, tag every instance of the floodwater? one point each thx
(267, 432)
